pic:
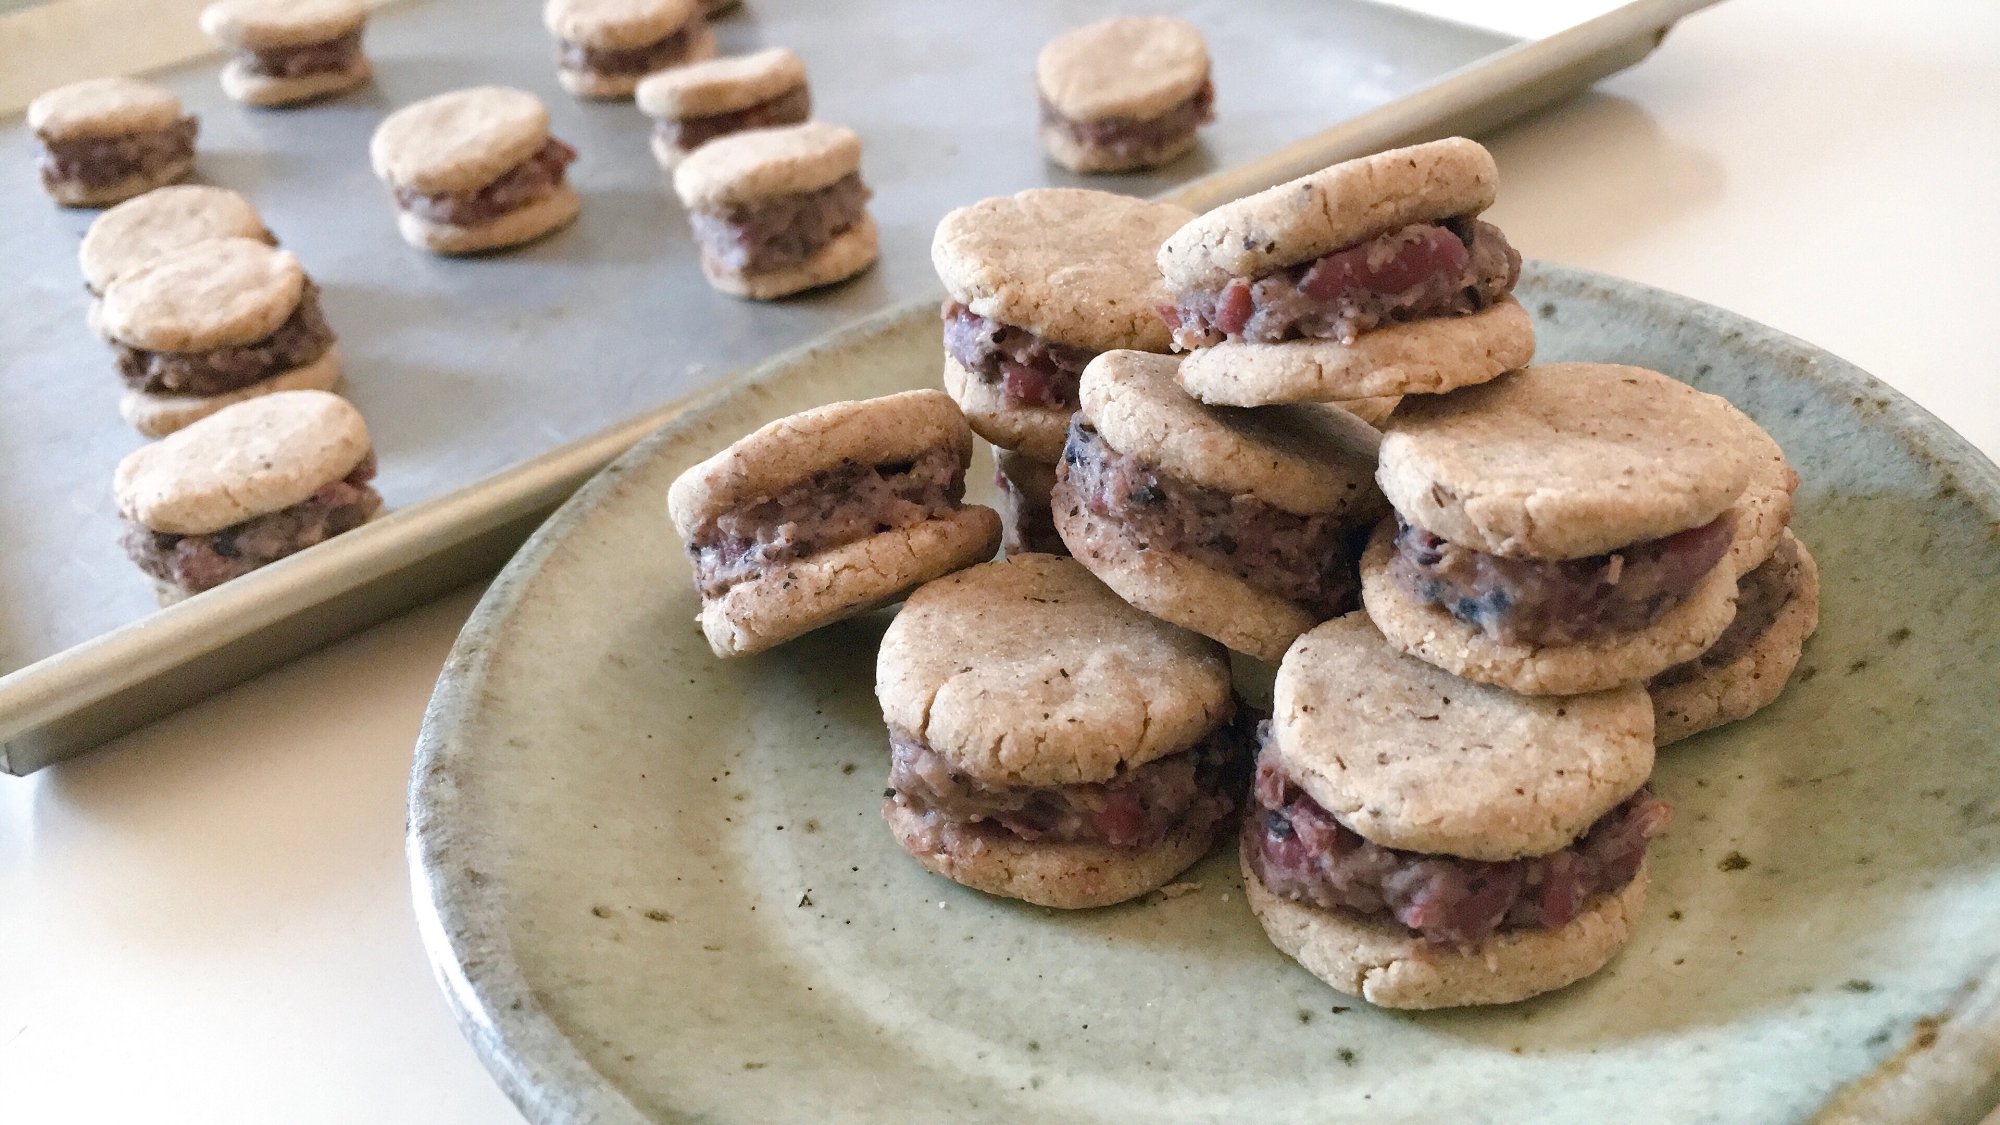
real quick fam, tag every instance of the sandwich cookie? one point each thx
(288, 51)
(779, 211)
(1049, 742)
(209, 325)
(474, 170)
(245, 487)
(827, 514)
(1241, 525)
(109, 139)
(1123, 94)
(694, 104)
(1372, 277)
(1421, 841)
(1777, 608)
(1564, 528)
(604, 47)
(146, 226)
(1764, 510)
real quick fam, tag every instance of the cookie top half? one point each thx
(1410, 756)
(146, 226)
(722, 85)
(616, 24)
(1030, 671)
(1127, 66)
(1304, 459)
(1564, 460)
(1331, 208)
(243, 461)
(262, 25)
(893, 428)
(103, 107)
(213, 294)
(759, 164)
(460, 141)
(1070, 265)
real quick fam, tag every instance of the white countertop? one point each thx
(210, 920)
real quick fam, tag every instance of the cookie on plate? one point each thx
(106, 140)
(1123, 94)
(1777, 608)
(474, 170)
(1563, 528)
(245, 487)
(1421, 841)
(288, 51)
(169, 218)
(1372, 277)
(779, 211)
(694, 104)
(826, 514)
(605, 47)
(1239, 524)
(209, 325)
(1049, 742)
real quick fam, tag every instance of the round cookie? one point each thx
(459, 141)
(723, 85)
(157, 415)
(1338, 206)
(760, 164)
(103, 107)
(1425, 629)
(169, 218)
(1757, 675)
(1136, 67)
(1413, 757)
(616, 24)
(847, 254)
(253, 459)
(263, 25)
(1031, 672)
(546, 215)
(218, 293)
(1388, 966)
(1077, 876)
(1563, 461)
(1428, 356)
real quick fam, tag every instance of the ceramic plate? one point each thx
(657, 886)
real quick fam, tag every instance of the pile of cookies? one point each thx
(1487, 608)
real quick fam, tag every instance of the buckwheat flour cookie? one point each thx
(169, 218)
(1777, 608)
(211, 324)
(604, 48)
(1561, 529)
(694, 104)
(1423, 841)
(288, 51)
(779, 211)
(474, 170)
(1050, 742)
(826, 514)
(106, 140)
(1124, 94)
(1764, 510)
(1372, 277)
(243, 488)
(1241, 525)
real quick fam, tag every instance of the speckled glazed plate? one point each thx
(657, 887)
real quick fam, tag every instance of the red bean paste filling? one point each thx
(1140, 807)
(831, 508)
(1761, 596)
(774, 234)
(1025, 516)
(623, 61)
(1528, 601)
(690, 133)
(102, 161)
(202, 562)
(1133, 139)
(304, 60)
(303, 338)
(1301, 852)
(1029, 370)
(525, 183)
(1423, 270)
(1305, 560)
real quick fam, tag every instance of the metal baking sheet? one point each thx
(465, 368)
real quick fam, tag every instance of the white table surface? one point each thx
(210, 920)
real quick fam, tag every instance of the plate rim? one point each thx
(459, 915)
